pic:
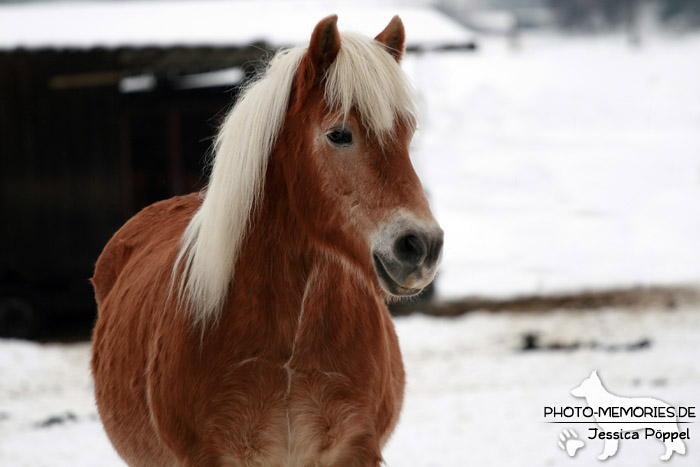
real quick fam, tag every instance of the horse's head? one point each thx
(349, 177)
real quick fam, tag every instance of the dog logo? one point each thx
(622, 417)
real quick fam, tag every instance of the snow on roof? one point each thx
(207, 23)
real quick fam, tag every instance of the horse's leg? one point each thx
(362, 451)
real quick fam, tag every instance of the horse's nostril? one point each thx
(410, 250)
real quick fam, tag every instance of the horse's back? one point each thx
(158, 227)
(131, 286)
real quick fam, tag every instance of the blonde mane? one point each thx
(363, 76)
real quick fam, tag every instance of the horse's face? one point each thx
(380, 201)
(363, 199)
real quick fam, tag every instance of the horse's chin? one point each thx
(389, 284)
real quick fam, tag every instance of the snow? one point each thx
(40, 382)
(473, 396)
(568, 164)
(209, 23)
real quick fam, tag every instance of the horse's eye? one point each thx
(339, 137)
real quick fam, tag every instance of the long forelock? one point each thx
(364, 76)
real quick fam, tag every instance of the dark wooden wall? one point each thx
(78, 158)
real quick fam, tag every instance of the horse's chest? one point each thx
(300, 418)
(326, 414)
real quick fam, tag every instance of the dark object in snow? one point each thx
(531, 342)
(658, 382)
(4, 416)
(57, 420)
(639, 345)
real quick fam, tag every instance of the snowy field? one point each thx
(568, 164)
(474, 397)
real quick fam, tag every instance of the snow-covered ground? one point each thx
(474, 397)
(567, 164)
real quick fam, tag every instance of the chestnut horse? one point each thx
(247, 325)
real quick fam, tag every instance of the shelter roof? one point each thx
(209, 23)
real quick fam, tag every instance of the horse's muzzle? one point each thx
(406, 255)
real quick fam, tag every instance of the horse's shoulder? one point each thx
(154, 227)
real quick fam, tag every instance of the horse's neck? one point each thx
(283, 280)
(270, 274)
(341, 320)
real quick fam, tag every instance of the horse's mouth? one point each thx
(388, 283)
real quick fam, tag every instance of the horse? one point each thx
(247, 324)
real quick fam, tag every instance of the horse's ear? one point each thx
(325, 44)
(393, 37)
